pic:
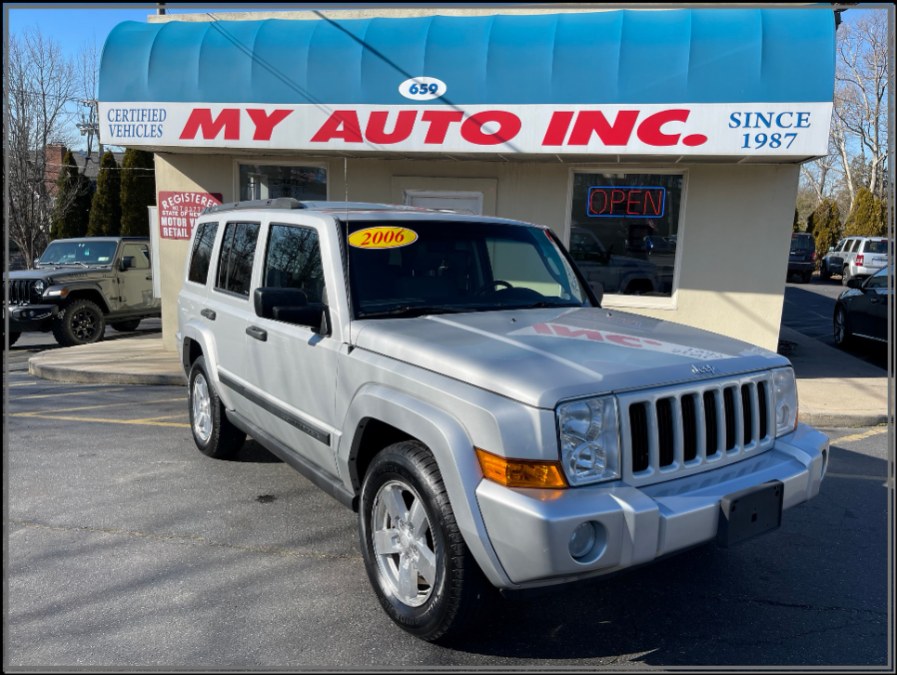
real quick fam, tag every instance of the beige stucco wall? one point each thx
(734, 227)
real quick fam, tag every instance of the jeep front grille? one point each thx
(21, 292)
(677, 431)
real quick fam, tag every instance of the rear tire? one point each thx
(126, 326)
(806, 277)
(79, 323)
(845, 276)
(419, 566)
(213, 433)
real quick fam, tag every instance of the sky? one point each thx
(88, 25)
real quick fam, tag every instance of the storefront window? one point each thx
(624, 230)
(259, 181)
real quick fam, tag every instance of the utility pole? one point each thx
(89, 126)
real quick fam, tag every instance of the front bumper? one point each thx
(28, 318)
(530, 530)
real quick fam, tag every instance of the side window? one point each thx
(878, 281)
(235, 261)
(293, 260)
(139, 254)
(202, 253)
(855, 244)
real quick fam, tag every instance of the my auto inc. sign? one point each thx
(774, 130)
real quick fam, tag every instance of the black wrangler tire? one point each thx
(125, 326)
(80, 322)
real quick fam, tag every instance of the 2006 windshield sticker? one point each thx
(382, 237)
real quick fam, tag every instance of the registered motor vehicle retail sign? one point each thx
(178, 210)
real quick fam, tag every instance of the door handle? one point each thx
(257, 333)
(209, 314)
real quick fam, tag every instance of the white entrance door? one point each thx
(459, 202)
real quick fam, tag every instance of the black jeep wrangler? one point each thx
(79, 285)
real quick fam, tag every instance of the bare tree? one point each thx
(819, 173)
(88, 71)
(861, 104)
(40, 88)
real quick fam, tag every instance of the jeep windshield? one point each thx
(413, 267)
(78, 253)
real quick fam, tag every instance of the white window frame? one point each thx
(242, 161)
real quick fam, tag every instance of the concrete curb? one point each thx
(72, 376)
(843, 420)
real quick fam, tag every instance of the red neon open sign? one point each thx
(626, 201)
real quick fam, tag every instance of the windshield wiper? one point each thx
(543, 303)
(57, 265)
(414, 310)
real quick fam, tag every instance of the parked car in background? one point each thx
(862, 309)
(615, 273)
(79, 285)
(854, 257)
(802, 256)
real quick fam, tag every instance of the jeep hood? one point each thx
(542, 356)
(55, 272)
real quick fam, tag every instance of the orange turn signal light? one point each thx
(525, 473)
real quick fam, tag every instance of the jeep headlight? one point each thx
(590, 440)
(785, 400)
(40, 286)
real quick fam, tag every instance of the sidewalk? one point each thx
(835, 388)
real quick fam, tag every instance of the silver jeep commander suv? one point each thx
(453, 379)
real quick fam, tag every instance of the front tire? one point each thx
(213, 433)
(419, 566)
(80, 323)
(841, 329)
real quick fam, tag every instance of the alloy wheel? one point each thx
(403, 543)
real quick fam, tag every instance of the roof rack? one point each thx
(290, 203)
(279, 203)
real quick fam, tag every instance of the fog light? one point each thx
(582, 541)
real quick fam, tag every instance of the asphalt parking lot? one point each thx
(127, 548)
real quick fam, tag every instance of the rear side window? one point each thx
(877, 246)
(235, 261)
(294, 261)
(202, 253)
(854, 245)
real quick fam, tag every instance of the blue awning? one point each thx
(619, 56)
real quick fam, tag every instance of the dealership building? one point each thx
(662, 146)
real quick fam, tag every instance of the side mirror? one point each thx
(291, 305)
(127, 262)
(853, 282)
